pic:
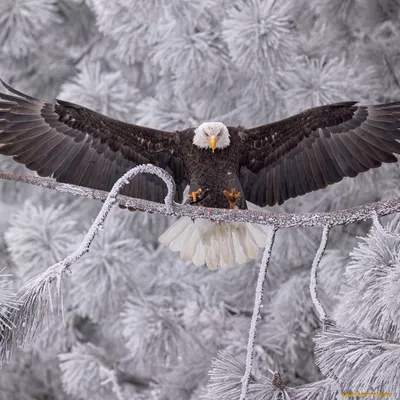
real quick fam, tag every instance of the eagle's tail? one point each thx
(215, 243)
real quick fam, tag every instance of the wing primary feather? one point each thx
(329, 174)
(14, 137)
(307, 178)
(356, 152)
(284, 191)
(379, 132)
(20, 147)
(344, 164)
(302, 180)
(34, 153)
(319, 180)
(48, 168)
(373, 151)
(289, 177)
(327, 144)
(71, 160)
(98, 171)
(90, 167)
(350, 160)
(266, 193)
(380, 143)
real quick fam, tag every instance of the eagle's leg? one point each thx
(232, 197)
(193, 196)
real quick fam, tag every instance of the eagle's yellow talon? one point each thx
(232, 197)
(193, 195)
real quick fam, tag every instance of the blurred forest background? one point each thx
(139, 322)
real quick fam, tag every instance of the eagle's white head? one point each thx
(211, 135)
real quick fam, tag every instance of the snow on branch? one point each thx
(314, 276)
(378, 224)
(359, 360)
(279, 220)
(256, 312)
(35, 297)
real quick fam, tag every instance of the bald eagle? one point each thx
(224, 166)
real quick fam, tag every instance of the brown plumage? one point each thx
(268, 164)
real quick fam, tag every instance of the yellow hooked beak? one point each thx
(213, 142)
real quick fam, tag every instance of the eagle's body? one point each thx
(225, 167)
(216, 171)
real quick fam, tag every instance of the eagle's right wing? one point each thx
(316, 148)
(76, 145)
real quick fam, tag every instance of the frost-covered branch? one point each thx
(314, 275)
(256, 312)
(280, 220)
(35, 296)
(378, 223)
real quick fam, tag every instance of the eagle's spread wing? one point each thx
(316, 148)
(76, 145)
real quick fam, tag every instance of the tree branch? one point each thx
(256, 312)
(323, 316)
(334, 218)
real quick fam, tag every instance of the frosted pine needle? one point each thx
(101, 90)
(225, 378)
(373, 277)
(86, 373)
(259, 33)
(359, 361)
(23, 22)
(8, 304)
(40, 236)
(153, 331)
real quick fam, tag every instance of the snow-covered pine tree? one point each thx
(139, 322)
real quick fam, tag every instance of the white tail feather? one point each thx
(215, 243)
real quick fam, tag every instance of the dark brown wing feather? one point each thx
(79, 146)
(316, 148)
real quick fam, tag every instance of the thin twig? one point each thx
(378, 223)
(323, 316)
(256, 312)
(286, 220)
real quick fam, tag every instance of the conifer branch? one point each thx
(35, 296)
(280, 220)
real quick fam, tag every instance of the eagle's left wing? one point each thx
(316, 148)
(76, 145)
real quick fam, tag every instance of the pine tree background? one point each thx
(139, 322)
